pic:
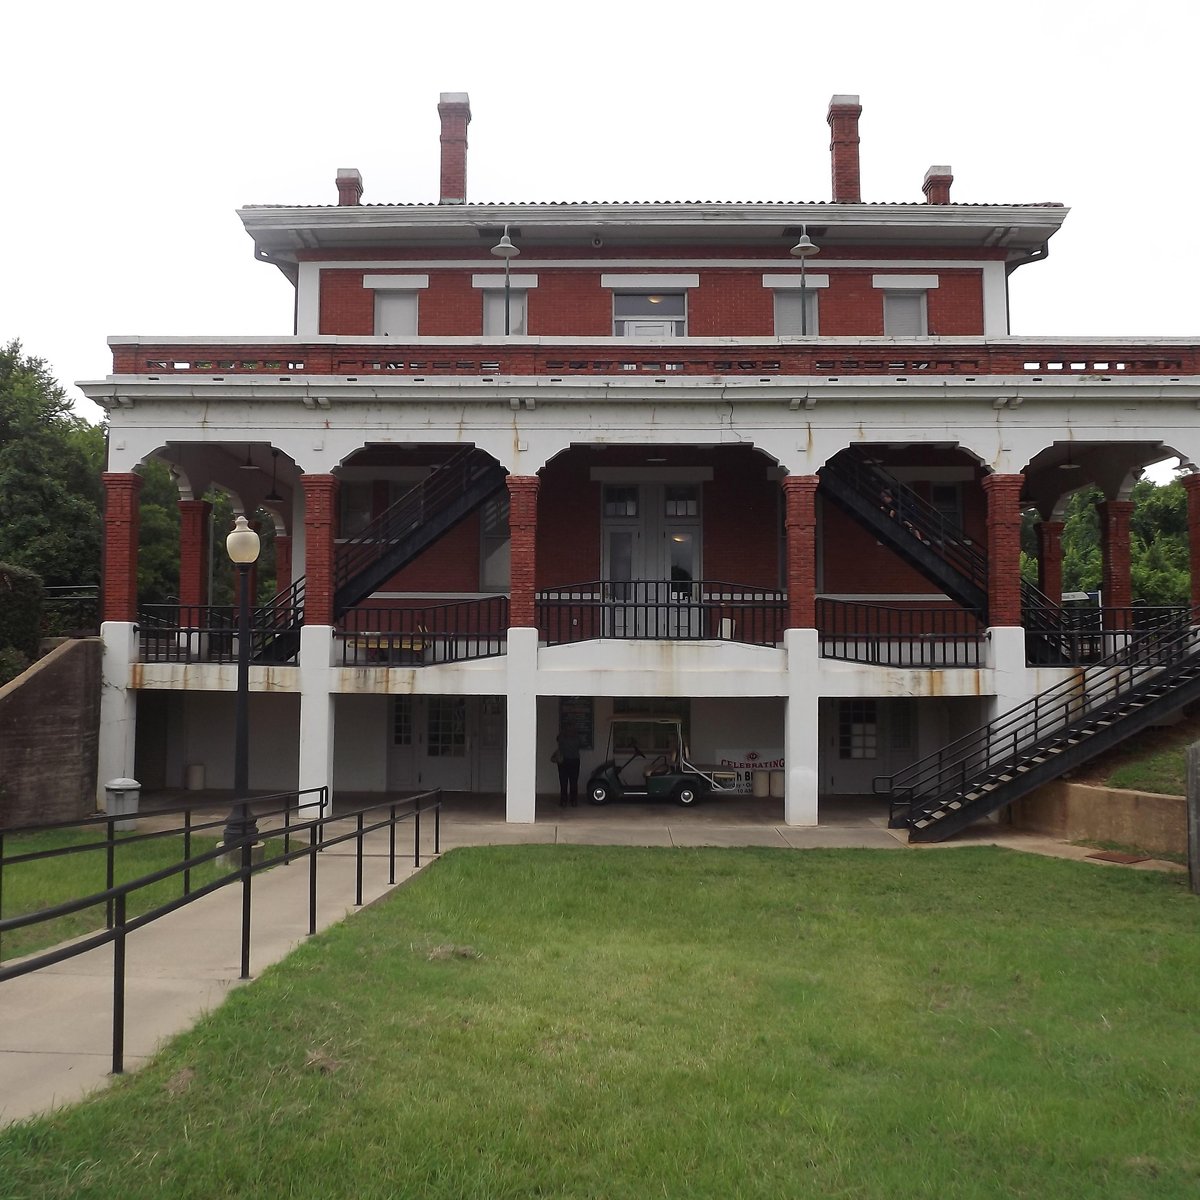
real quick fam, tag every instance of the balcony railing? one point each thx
(899, 637)
(653, 609)
(368, 362)
(207, 633)
(424, 636)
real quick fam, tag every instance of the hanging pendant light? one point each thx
(248, 465)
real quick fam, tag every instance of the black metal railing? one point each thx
(207, 633)
(654, 609)
(923, 787)
(426, 635)
(71, 611)
(900, 637)
(298, 838)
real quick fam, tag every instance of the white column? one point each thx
(118, 705)
(521, 767)
(316, 713)
(801, 736)
(1013, 681)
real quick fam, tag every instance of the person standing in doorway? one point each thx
(567, 757)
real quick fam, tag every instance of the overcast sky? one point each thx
(134, 130)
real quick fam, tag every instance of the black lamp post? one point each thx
(505, 249)
(804, 248)
(242, 545)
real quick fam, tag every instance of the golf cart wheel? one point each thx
(686, 795)
(599, 794)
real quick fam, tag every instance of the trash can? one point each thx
(121, 798)
(777, 784)
(193, 778)
(760, 784)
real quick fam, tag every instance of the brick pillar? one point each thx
(1004, 548)
(194, 516)
(1115, 579)
(522, 527)
(1049, 539)
(1191, 485)
(283, 562)
(119, 591)
(800, 522)
(320, 528)
(843, 115)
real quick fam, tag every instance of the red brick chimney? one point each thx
(349, 186)
(844, 112)
(937, 185)
(455, 110)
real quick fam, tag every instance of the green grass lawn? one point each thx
(45, 883)
(612, 1023)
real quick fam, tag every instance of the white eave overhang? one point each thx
(281, 232)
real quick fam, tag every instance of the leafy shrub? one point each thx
(12, 663)
(20, 608)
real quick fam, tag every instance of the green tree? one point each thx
(49, 489)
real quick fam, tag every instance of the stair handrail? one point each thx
(444, 483)
(1048, 713)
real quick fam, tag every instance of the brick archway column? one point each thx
(1004, 548)
(800, 524)
(1191, 487)
(1049, 539)
(194, 516)
(119, 595)
(320, 528)
(283, 563)
(1115, 578)
(522, 528)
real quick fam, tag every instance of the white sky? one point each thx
(134, 130)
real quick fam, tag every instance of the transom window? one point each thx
(681, 500)
(620, 501)
(649, 314)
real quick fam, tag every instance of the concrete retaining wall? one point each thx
(1080, 812)
(49, 732)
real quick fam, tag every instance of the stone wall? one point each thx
(49, 732)
(1079, 812)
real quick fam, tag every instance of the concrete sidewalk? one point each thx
(56, 1032)
(56, 1035)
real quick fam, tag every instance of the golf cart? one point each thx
(646, 759)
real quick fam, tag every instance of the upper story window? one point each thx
(650, 306)
(492, 286)
(796, 307)
(649, 314)
(905, 307)
(494, 311)
(396, 303)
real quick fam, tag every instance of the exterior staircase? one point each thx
(1154, 675)
(412, 524)
(938, 548)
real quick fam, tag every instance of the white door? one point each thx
(431, 743)
(651, 564)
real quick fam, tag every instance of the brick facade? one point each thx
(522, 524)
(194, 518)
(121, 525)
(320, 529)
(1049, 539)
(1116, 582)
(1004, 548)
(800, 522)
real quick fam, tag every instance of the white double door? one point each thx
(451, 742)
(652, 560)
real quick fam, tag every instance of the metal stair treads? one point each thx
(1059, 729)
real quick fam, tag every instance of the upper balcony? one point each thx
(355, 360)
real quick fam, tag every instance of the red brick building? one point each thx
(757, 466)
